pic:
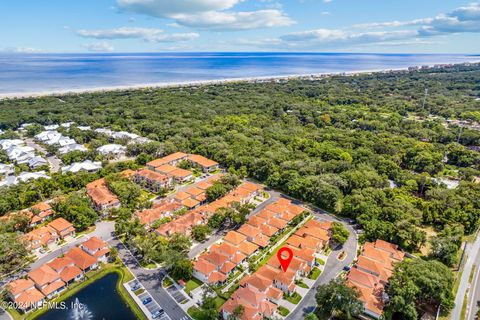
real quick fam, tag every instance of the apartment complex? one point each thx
(371, 272)
(50, 279)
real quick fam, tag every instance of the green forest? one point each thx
(334, 142)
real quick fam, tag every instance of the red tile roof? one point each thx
(18, 286)
(249, 231)
(43, 275)
(216, 276)
(202, 161)
(29, 298)
(234, 237)
(70, 273)
(190, 203)
(94, 244)
(61, 224)
(58, 264)
(100, 194)
(52, 287)
(182, 195)
(152, 175)
(204, 267)
(194, 191)
(247, 247)
(167, 159)
(82, 259)
(268, 230)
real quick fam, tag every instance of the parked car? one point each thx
(347, 268)
(147, 300)
(135, 286)
(157, 313)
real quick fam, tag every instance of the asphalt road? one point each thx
(332, 268)
(474, 292)
(274, 196)
(473, 255)
(4, 315)
(54, 161)
(151, 281)
(104, 230)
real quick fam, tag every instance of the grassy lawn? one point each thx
(294, 298)
(139, 291)
(283, 311)
(320, 261)
(314, 274)
(148, 265)
(92, 276)
(283, 234)
(192, 284)
(167, 282)
(193, 312)
(219, 301)
(301, 284)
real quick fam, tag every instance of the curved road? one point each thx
(332, 267)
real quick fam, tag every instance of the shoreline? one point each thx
(193, 83)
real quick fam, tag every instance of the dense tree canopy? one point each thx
(334, 142)
(418, 283)
(339, 299)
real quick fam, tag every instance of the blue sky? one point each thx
(412, 26)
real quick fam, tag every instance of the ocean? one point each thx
(47, 73)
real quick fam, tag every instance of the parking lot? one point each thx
(145, 301)
(176, 294)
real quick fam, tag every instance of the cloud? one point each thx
(336, 37)
(462, 19)
(392, 24)
(227, 21)
(168, 8)
(98, 47)
(394, 33)
(208, 14)
(147, 34)
(23, 50)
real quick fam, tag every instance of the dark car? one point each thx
(346, 268)
(147, 300)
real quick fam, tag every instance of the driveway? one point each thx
(151, 281)
(104, 230)
(53, 160)
(195, 251)
(332, 267)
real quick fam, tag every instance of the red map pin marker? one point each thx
(285, 262)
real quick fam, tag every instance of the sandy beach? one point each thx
(146, 86)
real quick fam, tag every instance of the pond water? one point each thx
(97, 301)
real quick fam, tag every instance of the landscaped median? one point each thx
(91, 277)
